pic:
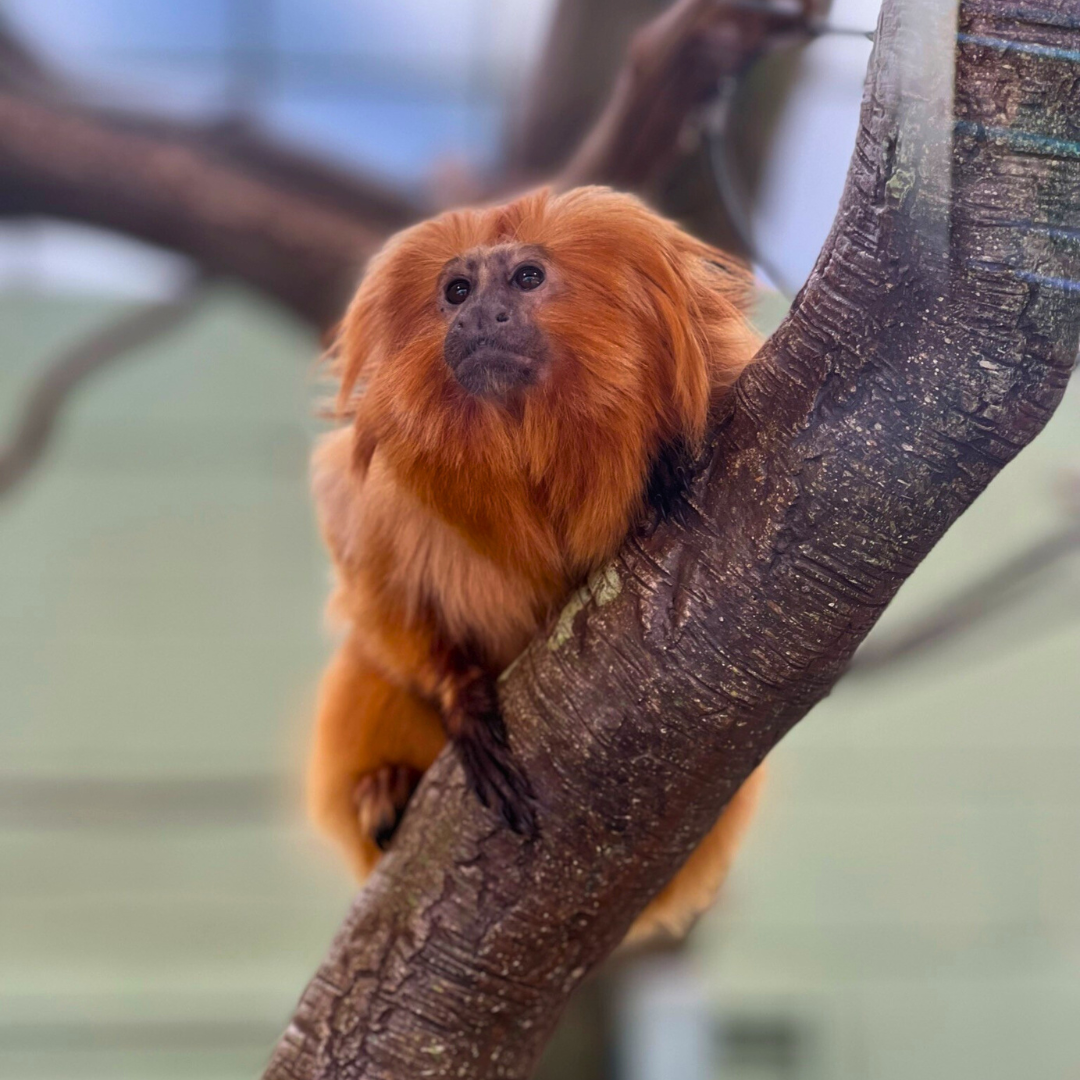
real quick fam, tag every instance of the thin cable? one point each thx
(717, 127)
(728, 187)
(792, 9)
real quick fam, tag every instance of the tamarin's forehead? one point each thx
(495, 260)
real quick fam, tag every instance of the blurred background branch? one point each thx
(176, 187)
(62, 377)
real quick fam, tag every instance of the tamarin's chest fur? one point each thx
(406, 566)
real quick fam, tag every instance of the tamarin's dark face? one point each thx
(490, 299)
(526, 329)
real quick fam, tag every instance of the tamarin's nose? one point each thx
(480, 318)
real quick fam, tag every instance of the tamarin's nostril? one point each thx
(502, 317)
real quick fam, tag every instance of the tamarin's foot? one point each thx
(478, 731)
(381, 797)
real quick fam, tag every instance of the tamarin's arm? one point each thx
(469, 701)
(414, 655)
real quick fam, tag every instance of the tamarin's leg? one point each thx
(373, 742)
(694, 887)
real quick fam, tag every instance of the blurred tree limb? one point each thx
(933, 341)
(77, 363)
(243, 205)
(586, 44)
(673, 67)
(65, 160)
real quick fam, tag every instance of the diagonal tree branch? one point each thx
(297, 228)
(674, 65)
(987, 596)
(225, 195)
(66, 161)
(234, 139)
(73, 366)
(572, 79)
(931, 343)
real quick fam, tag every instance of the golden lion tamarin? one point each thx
(518, 380)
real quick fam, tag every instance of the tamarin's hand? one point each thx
(475, 725)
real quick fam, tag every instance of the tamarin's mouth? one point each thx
(489, 371)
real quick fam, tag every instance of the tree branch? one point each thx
(297, 228)
(989, 595)
(74, 365)
(239, 143)
(62, 160)
(675, 64)
(571, 82)
(932, 342)
(236, 140)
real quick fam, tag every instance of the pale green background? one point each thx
(909, 902)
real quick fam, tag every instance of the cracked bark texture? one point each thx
(931, 343)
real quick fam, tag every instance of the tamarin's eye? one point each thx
(528, 277)
(458, 290)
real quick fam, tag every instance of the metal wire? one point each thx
(720, 156)
(792, 9)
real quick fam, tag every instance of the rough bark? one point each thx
(932, 341)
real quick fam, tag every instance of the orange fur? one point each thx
(456, 522)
